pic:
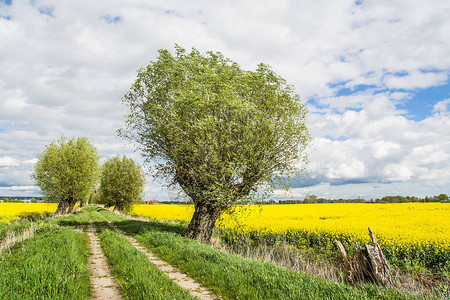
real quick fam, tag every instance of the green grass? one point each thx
(137, 277)
(89, 214)
(52, 265)
(235, 277)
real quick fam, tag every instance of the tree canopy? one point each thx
(121, 183)
(217, 131)
(66, 171)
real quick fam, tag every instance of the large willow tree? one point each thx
(217, 131)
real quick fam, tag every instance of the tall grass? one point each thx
(52, 265)
(15, 227)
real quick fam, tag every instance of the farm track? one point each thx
(184, 281)
(103, 283)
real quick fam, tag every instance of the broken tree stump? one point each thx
(369, 264)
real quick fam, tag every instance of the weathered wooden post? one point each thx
(369, 264)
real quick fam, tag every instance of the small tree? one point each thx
(66, 171)
(310, 199)
(217, 131)
(122, 182)
(443, 198)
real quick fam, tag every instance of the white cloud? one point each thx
(397, 172)
(347, 170)
(19, 188)
(416, 80)
(377, 147)
(30, 161)
(442, 107)
(385, 149)
(8, 161)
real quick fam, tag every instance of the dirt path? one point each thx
(186, 282)
(102, 282)
(181, 279)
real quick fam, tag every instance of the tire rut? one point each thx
(102, 282)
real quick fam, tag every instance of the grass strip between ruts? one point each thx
(51, 265)
(137, 277)
(235, 277)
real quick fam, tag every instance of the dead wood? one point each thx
(369, 264)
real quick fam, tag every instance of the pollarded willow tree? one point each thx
(217, 131)
(66, 171)
(122, 183)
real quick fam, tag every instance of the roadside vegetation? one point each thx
(235, 277)
(52, 265)
(13, 228)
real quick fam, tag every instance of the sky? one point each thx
(373, 74)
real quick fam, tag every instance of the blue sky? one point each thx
(373, 74)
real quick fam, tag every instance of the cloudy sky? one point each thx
(374, 75)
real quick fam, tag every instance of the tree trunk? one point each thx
(202, 224)
(62, 208)
(369, 264)
(71, 207)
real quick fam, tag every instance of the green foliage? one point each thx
(67, 169)
(52, 265)
(137, 276)
(443, 198)
(214, 129)
(122, 182)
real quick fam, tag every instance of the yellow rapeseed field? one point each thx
(404, 230)
(164, 211)
(13, 211)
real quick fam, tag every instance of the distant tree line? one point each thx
(386, 199)
(20, 199)
(401, 199)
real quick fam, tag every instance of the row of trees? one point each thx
(219, 133)
(68, 172)
(401, 199)
(386, 199)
